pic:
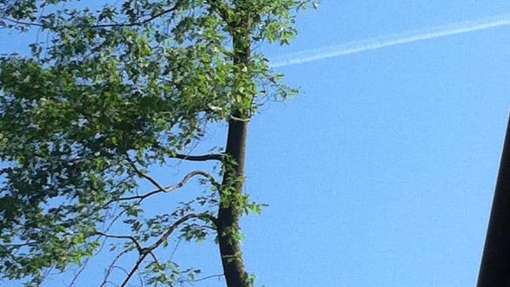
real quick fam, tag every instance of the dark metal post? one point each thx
(495, 266)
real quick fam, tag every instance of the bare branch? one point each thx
(171, 229)
(154, 257)
(78, 273)
(144, 175)
(19, 22)
(111, 267)
(205, 278)
(134, 269)
(131, 238)
(169, 189)
(121, 269)
(205, 157)
(175, 248)
(145, 251)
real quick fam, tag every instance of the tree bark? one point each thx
(229, 211)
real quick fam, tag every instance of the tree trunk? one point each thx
(229, 211)
(231, 193)
(495, 267)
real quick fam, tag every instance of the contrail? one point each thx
(392, 40)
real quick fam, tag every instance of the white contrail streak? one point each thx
(392, 40)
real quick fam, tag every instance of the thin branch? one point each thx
(84, 265)
(205, 157)
(19, 22)
(134, 269)
(121, 269)
(211, 218)
(175, 248)
(168, 189)
(126, 272)
(144, 175)
(77, 275)
(154, 257)
(46, 274)
(18, 245)
(109, 25)
(145, 251)
(170, 230)
(111, 283)
(117, 217)
(131, 238)
(173, 227)
(206, 278)
(110, 268)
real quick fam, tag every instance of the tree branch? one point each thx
(143, 252)
(170, 230)
(206, 157)
(110, 268)
(9, 253)
(18, 245)
(220, 8)
(108, 25)
(131, 238)
(134, 269)
(204, 278)
(78, 273)
(144, 175)
(168, 189)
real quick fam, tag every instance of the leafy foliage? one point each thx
(113, 92)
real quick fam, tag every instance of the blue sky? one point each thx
(386, 163)
(381, 172)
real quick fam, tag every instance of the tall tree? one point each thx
(110, 94)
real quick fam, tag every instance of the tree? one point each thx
(113, 93)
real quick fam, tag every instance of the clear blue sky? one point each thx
(381, 172)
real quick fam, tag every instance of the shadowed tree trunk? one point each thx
(229, 213)
(495, 266)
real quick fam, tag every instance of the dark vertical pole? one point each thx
(495, 266)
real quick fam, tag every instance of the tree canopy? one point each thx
(112, 92)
